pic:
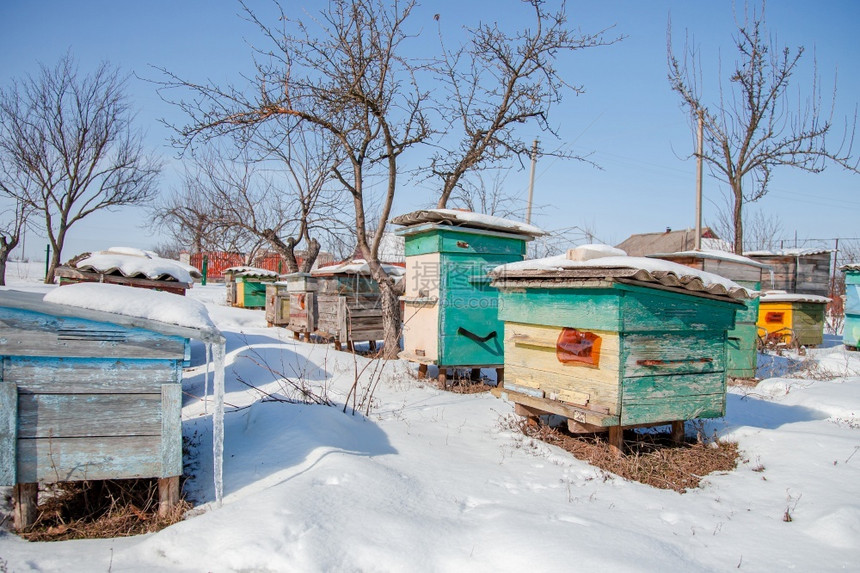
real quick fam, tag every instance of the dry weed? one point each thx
(652, 458)
(101, 509)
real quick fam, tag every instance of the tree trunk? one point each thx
(5, 249)
(313, 252)
(390, 318)
(55, 261)
(737, 221)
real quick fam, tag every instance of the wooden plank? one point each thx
(652, 310)
(669, 387)
(49, 375)
(422, 277)
(88, 415)
(74, 459)
(602, 395)
(586, 308)
(421, 332)
(555, 407)
(673, 353)
(534, 346)
(679, 408)
(168, 494)
(8, 431)
(26, 505)
(171, 430)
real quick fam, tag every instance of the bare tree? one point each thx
(347, 74)
(477, 194)
(750, 129)
(13, 222)
(496, 83)
(70, 148)
(762, 229)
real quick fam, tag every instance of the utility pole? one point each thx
(531, 183)
(701, 121)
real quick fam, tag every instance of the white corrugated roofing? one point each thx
(130, 262)
(459, 218)
(782, 296)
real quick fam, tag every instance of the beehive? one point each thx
(450, 309)
(791, 318)
(610, 341)
(246, 286)
(89, 395)
(851, 326)
(303, 308)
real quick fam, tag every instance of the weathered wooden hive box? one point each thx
(301, 289)
(792, 318)
(277, 304)
(805, 271)
(246, 286)
(450, 309)
(610, 341)
(348, 303)
(87, 395)
(129, 267)
(742, 339)
(851, 326)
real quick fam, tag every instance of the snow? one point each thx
(782, 296)
(251, 272)
(357, 267)
(798, 252)
(435, 481)
(560, 263)
(468, 218)
(714, 255)
(134, 262)
(164, 307)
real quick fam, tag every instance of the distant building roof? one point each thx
(670, 241)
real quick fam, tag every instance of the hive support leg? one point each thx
(678, 432)
(350, 345)
(295, 335)
(500, 377)
(443, 378)
(168, 494)
(26, 500)
(616, 440)
(531, 415)
(372, 345)
(422, 371)
(476, 374)
(337, 344)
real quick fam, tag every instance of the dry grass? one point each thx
(649, 458)
(100, 509)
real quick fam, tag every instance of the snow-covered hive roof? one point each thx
(602, 262)
(135, 263)
(850, 267)
(467, 219)
(782, 296)
(356, 267)
(251, 272)
(162, 312)
(713, 255)
(788, 253)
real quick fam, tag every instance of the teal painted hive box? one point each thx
(742, 357)
(88, 395)
(851, 327)
(450, 309)
(611, 341)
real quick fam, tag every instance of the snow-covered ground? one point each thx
(434, 481)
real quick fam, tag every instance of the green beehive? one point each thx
(851, 328)
(611, 341)
(742, 339)
(450, 314)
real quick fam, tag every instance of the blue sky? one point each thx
(628, 121)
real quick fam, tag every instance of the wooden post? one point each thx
(422, 371)
(616, 440)
(372, 345)
(296, 335)
(350, 345)
(443, 378)
(168, 494)
(337, 344)
(26, 501)
(476, 374)
(678, 432)
(500, 377)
